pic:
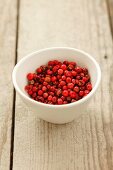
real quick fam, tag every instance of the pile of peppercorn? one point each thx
(58, 83)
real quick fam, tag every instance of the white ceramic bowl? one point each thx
(55, 113)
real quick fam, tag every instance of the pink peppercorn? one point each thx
(60, 71)
(63, 67)
(81, 93)
(53, 79)
(54, 99)
(60, 101)
(63, 77)
(64, 88)
(65, 93)
(49, 98)
(68, 80)
(76, 89)
(30, 76)
(45, 95)
(34, 89)
(62, 83)
(40, 92)
(89, 86)
(70, 85)
(44, 88)
(72, 94)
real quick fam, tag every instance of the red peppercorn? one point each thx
(34, 95)
(73, 100)
(30, 86)
(27, 87)
(66, 62)
(68, 80)
(70, 67)
(85, 70)
(45, 83)
(51, 93)
(76, 89)
(60, 71)
(82, 74)
(74, 73)
(84, 79)
(63, 67)
(50, 98)
(34, 89)
(65, 102)
(30, 92)
(30, 76)
(63, 98)
(64, 87)
(54, 99)
(52, 88)
(40, 92)
(67, 73)
(81, 83)
(73, 63)
(72, 94)
(58, 92)
(49, 72)
(68, 98)
(59, 86)
(47, 79)
(41, 99)
(45, 95)
(65, 93)
(77, 97)
(76, 81)
(62, 83)
(82, 88)
(59, 77)
(63, 77)
(60, 101)
(88, 77)
(38, 70)
(39, 87)
(50, 63)
(78, 69)
(53, 79)
(31, 82)
(86, 92)
(44, 88)
(48, 86)
(89, 86)
(81, 93)
(73, 81)
(78, 77)
(70, 85)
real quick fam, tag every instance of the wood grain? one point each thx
(110, 13)
(7, 61)
(86, 143)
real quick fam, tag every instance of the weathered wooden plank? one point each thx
(7, 59)
(110, 13)
(86, 143)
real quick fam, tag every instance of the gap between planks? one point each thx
(109, 4)
(14, 92)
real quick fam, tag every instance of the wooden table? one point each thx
(28, 143)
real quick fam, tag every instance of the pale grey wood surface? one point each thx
(7, 61)
(86, 143)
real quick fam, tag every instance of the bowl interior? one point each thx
(31, 62)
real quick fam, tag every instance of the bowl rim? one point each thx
(56, 106)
